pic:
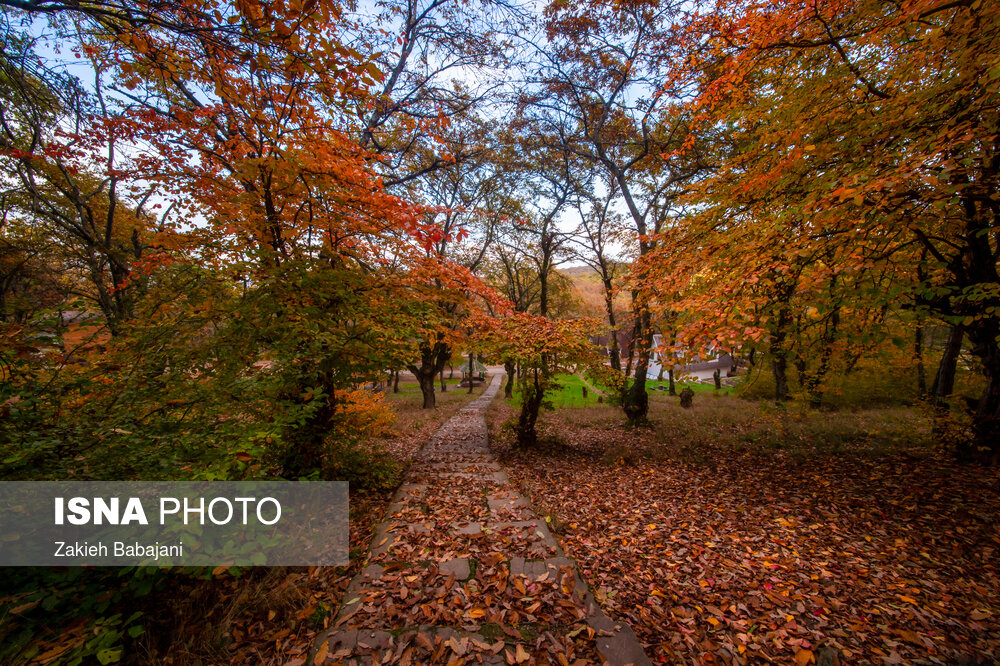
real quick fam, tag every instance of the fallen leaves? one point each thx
(760, 557)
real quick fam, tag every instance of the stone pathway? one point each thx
(463, 571)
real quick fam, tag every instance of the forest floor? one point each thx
(737, 532)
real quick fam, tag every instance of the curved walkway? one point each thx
(463, 571)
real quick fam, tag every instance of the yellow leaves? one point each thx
(322, 652)
(804, 657)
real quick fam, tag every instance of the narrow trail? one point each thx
(463, 571)
(590, 387)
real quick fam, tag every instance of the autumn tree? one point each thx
(300, 266)
(463, 206)
(541, 347)
(61, 154)
(869, 130)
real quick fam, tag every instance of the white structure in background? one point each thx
(699, 371)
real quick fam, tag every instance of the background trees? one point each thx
(604, 88)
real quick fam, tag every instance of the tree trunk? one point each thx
(670, 382)
(444, 386)
(395, 382)
(918, 354)
(814, 383)
(470, 372)
(944, 384)
(432, 360)
(717, 377)
(508, 388)
(427, 388)
(779, 354)
(985, 445)
(609, 306)
(531, 402)
(631, 354)
(635, 401)
(801, 371)
(944, 380)
(780, 367)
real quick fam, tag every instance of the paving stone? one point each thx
(499, 503)
(537, 526)
(622, 648)
(535, 568)
(373, 571)
(459, 567)
(467, 529)
(419, 528)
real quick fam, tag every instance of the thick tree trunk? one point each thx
(983, 338)
(780, 368)
(427, 388)
(395, 382)
(672, 390)
(779, 354)
(432, 360)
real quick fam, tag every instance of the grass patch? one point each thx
(728, 423)
(697, 387)
(567, 391)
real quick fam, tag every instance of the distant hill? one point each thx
(587, 284)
